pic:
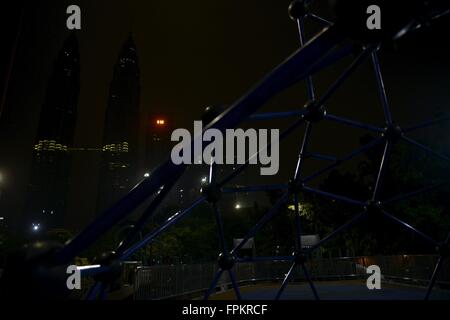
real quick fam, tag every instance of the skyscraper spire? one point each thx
(46, 200)
(121, 133)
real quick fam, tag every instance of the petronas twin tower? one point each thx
(47, 196)
(118, 171)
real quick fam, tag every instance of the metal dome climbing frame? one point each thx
(320, 52)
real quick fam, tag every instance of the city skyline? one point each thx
(185, 67)
(46, 199)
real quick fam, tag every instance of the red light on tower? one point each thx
(160, 122)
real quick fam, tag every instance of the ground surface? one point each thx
(338, 290)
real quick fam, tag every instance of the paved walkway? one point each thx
(338, 290)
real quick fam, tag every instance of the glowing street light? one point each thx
(238, 206)
(147, 175)
(36, 227)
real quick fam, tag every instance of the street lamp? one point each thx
(36, 227)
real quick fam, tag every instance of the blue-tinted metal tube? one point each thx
(427, 123)
(266, 218)
(309, 79)
(433, 279)
(335, 196)
(286, 281)
(265, 259)
(301, 156)
(406, 196)
(212, 287)
(90, 271)
(352, 123)
(319, 19)
(344, 76)
(298, 225)
(381, 88)
(296, 67)
(343, 159)
(382, 171)
(426, 149)
(219, 223)
(143, 220)
(255, 188)
(338, 231)
(310, 282)
(94, 291)
(319, 156)
(169, 223)
(278, 115)
(235, 285)
(410, 228)
(242, 167)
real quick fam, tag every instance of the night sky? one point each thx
(194, 54)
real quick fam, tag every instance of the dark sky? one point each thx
(193, 54)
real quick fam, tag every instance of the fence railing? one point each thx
(165, 282)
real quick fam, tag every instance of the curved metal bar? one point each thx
(298, 66)
(242, 167)
(169, 223)
(298, 225)
(310, 282)
(278, 115)
(301, 156)
(266, 218)
(302, 38)
(255, 188)
(219, 223)
(265, 259)
(345, 75)
(382, 171)
(319, 19)
(143, 220)
(406, 196)
(426, 124)
(212, 287)
(235, 285)
(434, 277)
(319, 156)
(94, 291)
(91, 271)
(353, 123)
(338, 231)
(286, 281)
(334, 196)
(333, 57)
(381, 88)
(344, 159)
(410, 228)
(426, 149)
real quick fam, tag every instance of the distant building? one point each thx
(49, 182)
(158, 145)
(119, 170)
